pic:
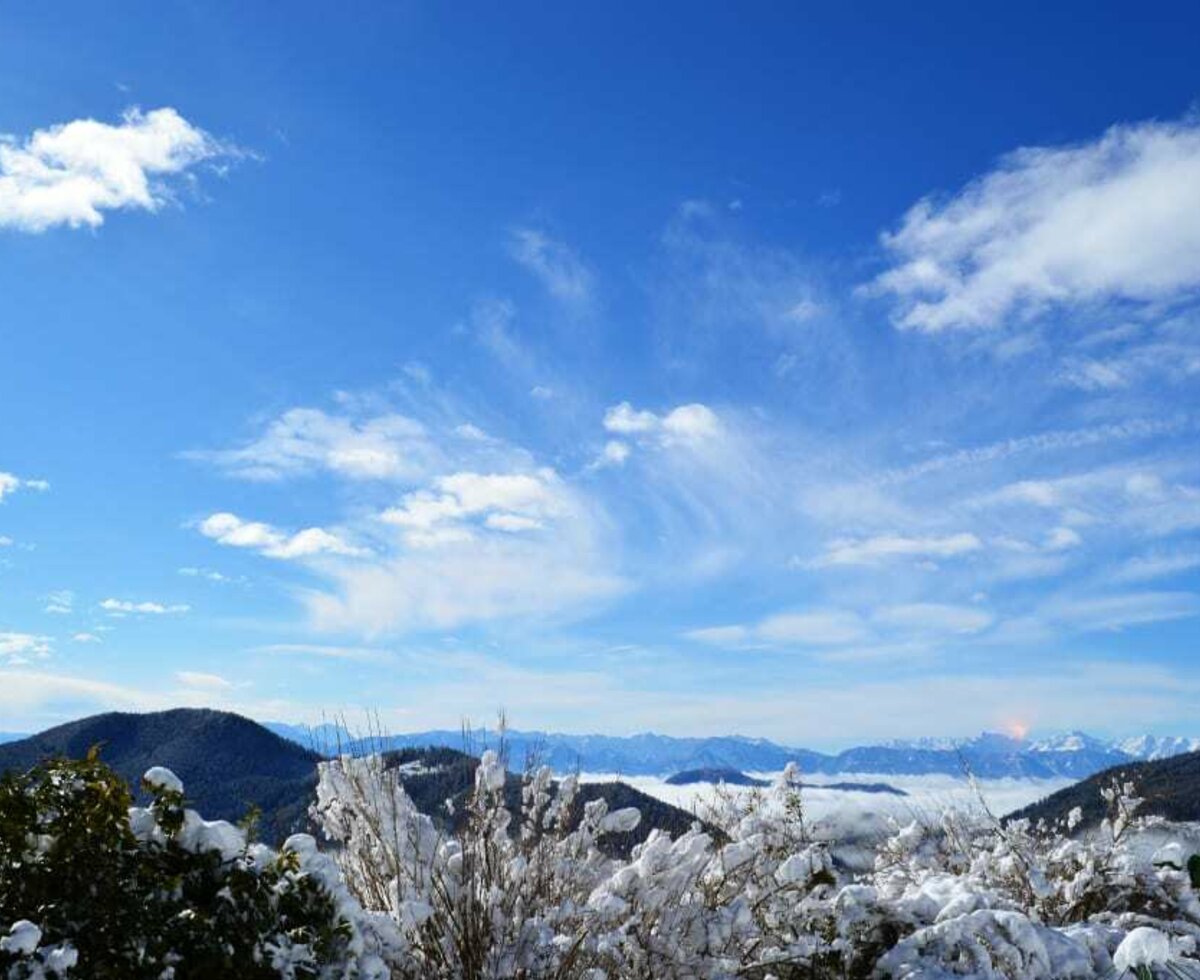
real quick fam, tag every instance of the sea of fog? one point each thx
(848, 813)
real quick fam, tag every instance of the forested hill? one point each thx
(228, 763)
(1171, 788)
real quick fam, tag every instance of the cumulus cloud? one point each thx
(1116, 219)
(229, 529)
(124, 607)
(510, 502)
(559, 269)
(686, 425)
(307, 440)
(71, 174)
(10, 484)
(885, 547)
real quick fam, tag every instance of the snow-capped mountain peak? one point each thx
(1151, 747)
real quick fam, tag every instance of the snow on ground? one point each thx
(848, 812)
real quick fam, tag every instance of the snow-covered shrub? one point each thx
(747, 893)
(94, 888)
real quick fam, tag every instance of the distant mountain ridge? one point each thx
(991, 755)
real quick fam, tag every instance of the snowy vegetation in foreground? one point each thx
(92, 887)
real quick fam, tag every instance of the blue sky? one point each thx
(819, 374)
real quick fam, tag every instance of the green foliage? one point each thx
(149, 908)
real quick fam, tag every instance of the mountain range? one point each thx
(230, 764)
(991, 755)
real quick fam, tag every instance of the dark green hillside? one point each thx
(227, 762)
(1171, 788)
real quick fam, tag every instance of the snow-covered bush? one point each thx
(92, 887)
(748, 893)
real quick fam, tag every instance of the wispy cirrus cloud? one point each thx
(71, 174)
(1116, 219)
(326, 651)
(885, 547)
(905, 628)
(564, 274)
(303, 441)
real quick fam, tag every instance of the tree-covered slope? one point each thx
(228, 763)
(1171, 788)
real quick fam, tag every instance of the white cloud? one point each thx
(511, 502)
(211, 575)
(615, 453)
(20, 647)
(72, 173)
(686, 425)
(473, 547)
(821, 628)
(560, 270)
(10, 484)
(884, 547)
(625, 420)
(456, 582)
(935, 617)
(229, 529)
(308, 440)
(1117, 219)
(6, 541)
(203, 681)
(840, 628)
(123, 607)
(86, 638)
